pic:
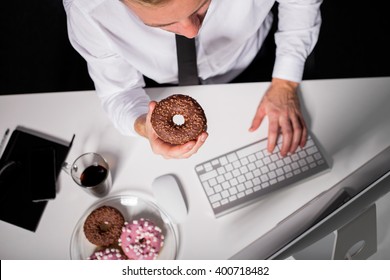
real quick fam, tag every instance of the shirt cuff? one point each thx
(288, 68)
(123, 109)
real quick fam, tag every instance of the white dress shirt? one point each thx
(119, 48)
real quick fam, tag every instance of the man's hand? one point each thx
(281, 104)
(144, 127)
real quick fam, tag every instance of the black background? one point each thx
(36, 55)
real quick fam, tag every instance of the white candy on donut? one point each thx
(107, 254)
(141, 240)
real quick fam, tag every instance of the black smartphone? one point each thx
(42, 174)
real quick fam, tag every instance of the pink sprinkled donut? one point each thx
(108, 254)
(141, 240)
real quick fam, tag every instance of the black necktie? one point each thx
(186, 61)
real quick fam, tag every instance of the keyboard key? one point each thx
(243, 169)
(256, 172)
(294, 157)
(210, 192)
(317, 156)
(302, 154)
(241, 194)
(225, 194)
(259, 155)
(226, 185)
(279, 163)
(309, 159)
(259, 163)
(251, 149)
(220, 179)
(241, 179)
(208, 167)
(312, 150)
(302, 162)
(244, 161)
(264, 178)
(266, 160)
(251, 158)
(224, 201)
(249, 191)
(241, 187)
(272, 166)
(256, 181)
(279, 171)
(249, 175)
(223, 160)
(248, 184)
(233, 191)
(212, 182)
(309, 143)
(287, 160)
(265, 185)
(199, 168)
(251, 166)
(229, 167)
(215, 197)
(233, 182)
(221, 170)
(264, 169)
(281, 178)
(232, 157)
(274, 157)
(208, 175)
(218, 188)
(216, 205)
(228, 176)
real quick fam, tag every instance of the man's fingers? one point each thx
(273, 132)
(304, 133)
(287, 132)
(200, 141)
(297, 134)
(170, 151)
(257, 120)
(152, 105)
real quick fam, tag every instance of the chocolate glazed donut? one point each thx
(184, 107)
(104, 225)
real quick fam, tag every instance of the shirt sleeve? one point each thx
(299, 24)
(118, 85)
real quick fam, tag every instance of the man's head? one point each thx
(177, 16)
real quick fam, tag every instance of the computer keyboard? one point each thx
(237, 178)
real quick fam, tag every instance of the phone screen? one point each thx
(42, 174)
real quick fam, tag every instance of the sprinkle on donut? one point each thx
(141, 240)
(184, 106)
(104, 225)
(108, 254)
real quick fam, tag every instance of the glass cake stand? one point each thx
(132, 207)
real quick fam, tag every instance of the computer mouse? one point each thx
(169, 196)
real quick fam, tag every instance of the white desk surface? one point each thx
(349, 117)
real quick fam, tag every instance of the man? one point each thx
(122, 41)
